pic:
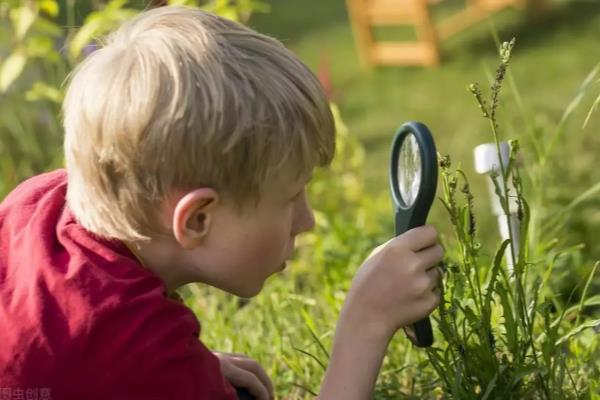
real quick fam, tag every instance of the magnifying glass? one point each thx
(413, 181)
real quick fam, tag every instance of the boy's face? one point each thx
(242, 249)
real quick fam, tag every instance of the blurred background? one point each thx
(547, 102)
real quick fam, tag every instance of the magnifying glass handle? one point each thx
(243, 394)
(420, 333)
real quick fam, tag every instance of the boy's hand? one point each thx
(395, 287)
(244, 372)
(398, 284)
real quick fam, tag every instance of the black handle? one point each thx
(420, 333)
(243, 394)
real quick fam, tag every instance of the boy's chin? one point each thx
(252, 289)
(248, 291)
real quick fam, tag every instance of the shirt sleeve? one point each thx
(149, 349)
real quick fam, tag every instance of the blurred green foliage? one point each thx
(555, 52)
(40, 42)
(31, 69)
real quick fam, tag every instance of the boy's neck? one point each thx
(157, 258)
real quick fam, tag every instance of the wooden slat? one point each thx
(390, 12)
(361, 31)
(459, 21)
(365, 14)
(495, 5)
(394, 53)
(470, 15)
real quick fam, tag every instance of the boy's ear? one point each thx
(192, 217)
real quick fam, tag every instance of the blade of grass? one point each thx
(592, 109)
(585, 290)
(586, 325)
(572, 106)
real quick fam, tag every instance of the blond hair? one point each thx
(179, 98)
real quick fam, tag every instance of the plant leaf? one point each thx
(579, 329)
(572, 106)
(22, 19)
(49, 7)
(11, 69)
(489, 290)
(590, 301)
(490, 387)
(42, 91)
(592, 109)
(585, 290)
(510, 323)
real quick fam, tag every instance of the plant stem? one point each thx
(521, 303)
(70, 14)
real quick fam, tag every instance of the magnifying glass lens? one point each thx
(409, 170)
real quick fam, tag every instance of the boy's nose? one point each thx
(305, 218)
(309, 220)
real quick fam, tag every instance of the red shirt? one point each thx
(80, 318)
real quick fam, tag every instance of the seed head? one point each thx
(476, 91)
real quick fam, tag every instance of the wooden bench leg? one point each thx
(426, 33)
(357, 10)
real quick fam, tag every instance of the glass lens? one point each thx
(409, 170)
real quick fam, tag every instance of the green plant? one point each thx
(502, 339)
(562, 199)
(31, 70)
(37, 51)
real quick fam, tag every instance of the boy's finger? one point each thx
(254, 367)
(241, 360)
(420, 238)
(242, 378)
(379, 248)
(431, 256)
(435, 277)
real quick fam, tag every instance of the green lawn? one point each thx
(552, 57)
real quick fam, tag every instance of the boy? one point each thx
(189, 140)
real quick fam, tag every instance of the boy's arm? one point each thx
(355, 362)
(395, 287)
(147, 346)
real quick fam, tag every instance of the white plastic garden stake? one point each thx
(486, 161)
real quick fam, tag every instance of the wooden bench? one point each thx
(368, 14)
